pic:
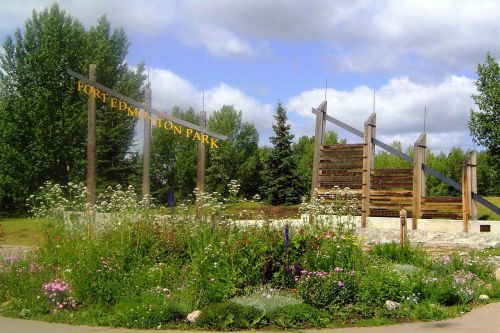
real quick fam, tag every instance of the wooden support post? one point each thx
(403, 226)
(473, 183)
(200, 176)
(368, 149)
(91, 151)
(319, 135)
(418, 178)
(465, 196)
(146, 154)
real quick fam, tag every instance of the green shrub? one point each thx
(321, 289)
(298, 316)
(459, 288)
(229, 316)
(146, 311)
(380, 283)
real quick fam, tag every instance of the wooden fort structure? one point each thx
(384, 192)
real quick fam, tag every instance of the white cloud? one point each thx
(364, 35)
(400, 108)
(169, 90)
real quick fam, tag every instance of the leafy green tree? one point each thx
(484, 125)
(43, 118)
(281, 184)
(229, 161)
(173, 161)
(385, 160)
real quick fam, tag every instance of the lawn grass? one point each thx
(19, 231)
(484, 213)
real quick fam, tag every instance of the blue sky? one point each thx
(415, 54)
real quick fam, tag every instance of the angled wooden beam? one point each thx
(141, 106)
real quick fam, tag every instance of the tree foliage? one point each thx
(173, 161)
(43, 118)
(281, 184)
(484, 124)
(232, 159)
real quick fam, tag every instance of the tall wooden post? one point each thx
(473, 183)
(319, 138)
(418, 178)
(91, 151)
(368, 151)
(200, 177)
(146, 154)
(465, 196)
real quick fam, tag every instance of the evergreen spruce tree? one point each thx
(281, 182)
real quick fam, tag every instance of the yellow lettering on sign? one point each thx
(168, 125)
(136, 112)
(133, 112)
(97, 93)
(178, 130)
(122, 106)
(196, 136)
(88, 89)
(213, 143)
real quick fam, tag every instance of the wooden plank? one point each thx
(440, 199)
(441, 207)
(392, 171)
(344, 146)
(393, 192)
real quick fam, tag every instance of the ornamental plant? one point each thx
(322, 289)
(58, 293)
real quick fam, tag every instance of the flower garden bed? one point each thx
(182, 272)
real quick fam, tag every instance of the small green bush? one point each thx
(380, 283)
(146, 312)
(298, 316)
(321, 289)
(229, 316)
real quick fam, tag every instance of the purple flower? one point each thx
(340, 284)
(286, 234)
(338, 270)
